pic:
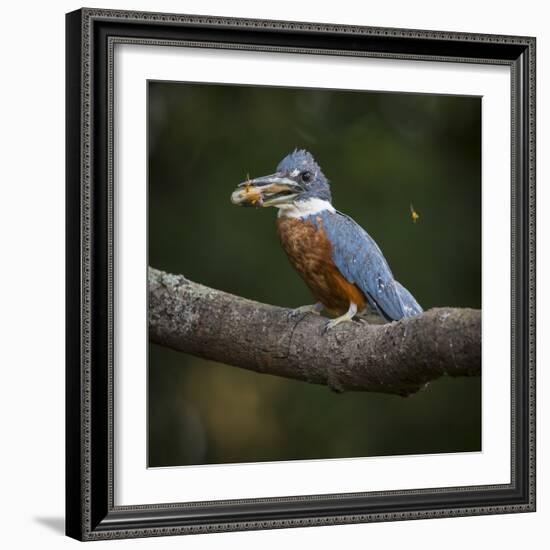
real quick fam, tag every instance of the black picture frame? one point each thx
(90, 510)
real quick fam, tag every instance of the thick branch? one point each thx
(397, 358)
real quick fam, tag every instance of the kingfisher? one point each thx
(338, 260)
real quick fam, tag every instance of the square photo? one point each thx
(305, 248)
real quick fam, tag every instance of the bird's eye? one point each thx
(306, 177)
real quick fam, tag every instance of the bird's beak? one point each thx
(271, 190)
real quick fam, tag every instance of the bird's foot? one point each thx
(304, 310)
(348, 316)
(329, 325)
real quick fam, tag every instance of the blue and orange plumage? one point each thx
(341, 264)
(310, 252)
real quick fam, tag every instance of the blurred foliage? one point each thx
(381, 152)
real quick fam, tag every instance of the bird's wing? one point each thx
(410, 305)
(361, 262)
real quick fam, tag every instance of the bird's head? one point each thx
(298, 178)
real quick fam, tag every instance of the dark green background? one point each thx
(381, 151)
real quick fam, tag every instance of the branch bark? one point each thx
(397, 358)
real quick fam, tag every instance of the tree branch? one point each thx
(398, 358)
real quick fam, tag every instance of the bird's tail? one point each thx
(411, 307)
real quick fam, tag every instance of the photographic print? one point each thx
(318, 221)
(282, 238)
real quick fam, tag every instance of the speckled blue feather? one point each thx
(410, 305)
(362, 263)
(303, 160)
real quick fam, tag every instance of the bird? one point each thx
(338, 260)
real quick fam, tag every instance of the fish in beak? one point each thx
(272, 190)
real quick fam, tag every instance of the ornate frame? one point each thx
(90, 510)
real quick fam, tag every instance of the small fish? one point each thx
(414, 214)
(255, 196)
(247, 194)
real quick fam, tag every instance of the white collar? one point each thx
(303, 209)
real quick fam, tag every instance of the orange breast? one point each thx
(310, 252)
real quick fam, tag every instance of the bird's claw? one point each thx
(346, 318)
(304, 310)
(329, 325)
